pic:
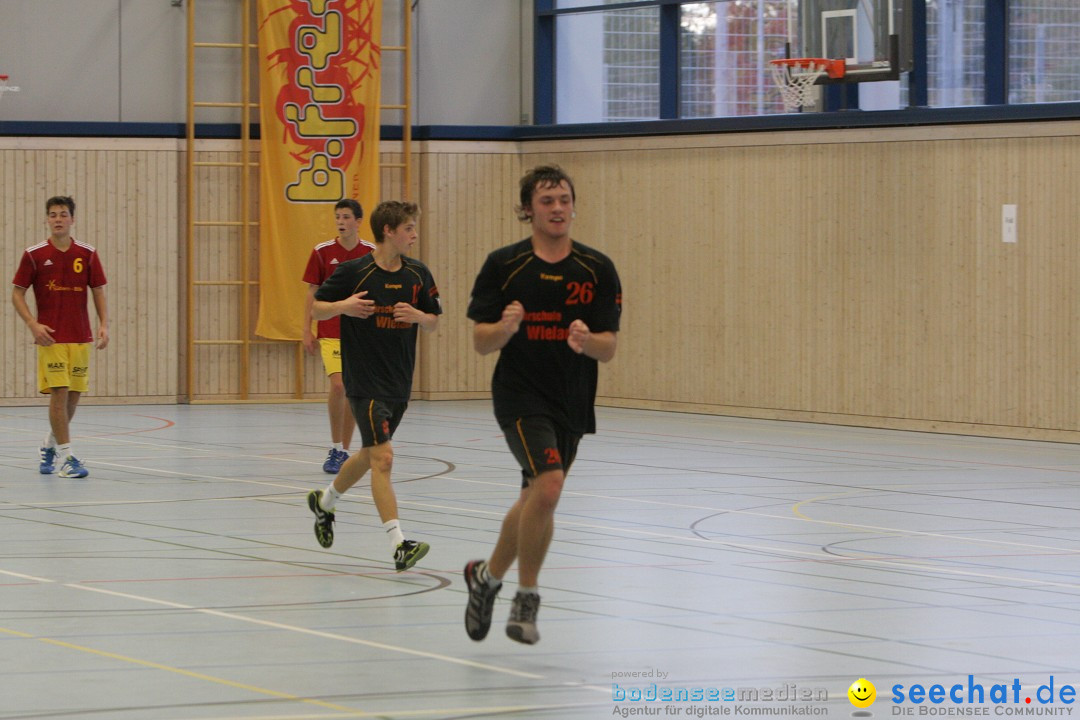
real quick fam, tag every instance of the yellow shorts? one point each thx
(331, 355)
(63, 365)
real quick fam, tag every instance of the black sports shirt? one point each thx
(537, 372)
(379, 353)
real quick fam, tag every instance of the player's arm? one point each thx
(599, 346)
(309, 337)
(101, 307)
(354, 306)
(404, 312)
(489, 337)
(40, 332)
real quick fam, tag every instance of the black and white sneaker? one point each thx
(481, 601)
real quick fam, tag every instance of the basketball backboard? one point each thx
(5, 87)
(872, 36)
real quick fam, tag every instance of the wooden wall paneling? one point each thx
(847, 276)
(467, 214)
(1048, 216)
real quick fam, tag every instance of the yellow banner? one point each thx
(319, 79)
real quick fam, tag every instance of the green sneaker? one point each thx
(408, 553)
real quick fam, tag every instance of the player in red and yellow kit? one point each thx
(324, 260)
(60, 270)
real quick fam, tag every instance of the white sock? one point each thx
(393, 531)
(338, 447)
(63, 451)
(528, 590)
(488, 578)
(329, 498)
(50, 441)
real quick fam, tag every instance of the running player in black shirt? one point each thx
(551, 306)
(381, 298)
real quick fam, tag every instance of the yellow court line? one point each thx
(188, 673)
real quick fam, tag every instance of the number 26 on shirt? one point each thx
(580, 293)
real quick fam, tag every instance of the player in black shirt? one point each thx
(382, 298)
(551, 306)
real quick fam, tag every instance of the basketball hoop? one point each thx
(796, 78)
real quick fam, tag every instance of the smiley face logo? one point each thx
(862, 693)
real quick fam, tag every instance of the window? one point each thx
(608, 66)
(955, 50)
(625, 60)
(1044, 44)
(724, 50)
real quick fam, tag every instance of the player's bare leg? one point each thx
(62, 405)
(536, 524)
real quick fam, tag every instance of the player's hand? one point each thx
(102, 337)
(309, 342)
(42, 334)
(357, 306)
(577, 336)
(512, 316)
(404, 312)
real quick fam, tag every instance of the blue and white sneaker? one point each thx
(334, 460)
(73, 468)
(48, 460)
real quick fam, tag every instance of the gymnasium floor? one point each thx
(182, 578)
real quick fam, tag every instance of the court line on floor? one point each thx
(353, 712)
(818, 556)
(797, 517)
(309, 631)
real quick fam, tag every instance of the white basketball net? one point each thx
(796, 83)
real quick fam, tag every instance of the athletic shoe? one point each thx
(408, 553)
(72, 468)
(481, 601)
(334, 460)
(324, 519)
(48, 460)
(522, 623)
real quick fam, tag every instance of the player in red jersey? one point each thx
(550, 306)
(60, 270)
(324, 260)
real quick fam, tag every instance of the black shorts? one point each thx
(376, 419)
(539, 445)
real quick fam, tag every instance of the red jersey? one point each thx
(60, 279)
(321, 265)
